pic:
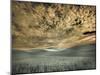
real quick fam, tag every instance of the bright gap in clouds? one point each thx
(55, 49)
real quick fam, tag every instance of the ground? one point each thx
(76, 58)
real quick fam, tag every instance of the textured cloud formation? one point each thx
(43, 25)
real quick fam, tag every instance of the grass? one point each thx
(55, 67)
(39, 61)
